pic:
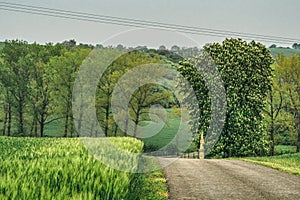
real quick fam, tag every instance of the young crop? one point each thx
(60, 168)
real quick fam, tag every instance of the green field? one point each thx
(165, 136)
(157, 141)
(168, 133)
(58, 168)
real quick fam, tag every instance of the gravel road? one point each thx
(228, 179)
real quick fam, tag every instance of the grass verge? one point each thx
(287, 163)
(151, 185)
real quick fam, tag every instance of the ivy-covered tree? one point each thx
(246, 73)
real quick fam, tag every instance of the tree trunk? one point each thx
(116, 129)
(136, 121)
(126, 127)
(66, 124)
(272, 149)
(9, 120)
(42, 124)
(42, 127)
(31, 128)
(106, 120)
(72, 126)
(35, 127)
(79, 123)
(21, 120)
(298, 130)
(5, 120)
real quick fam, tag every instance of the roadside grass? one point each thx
(287, 163)
(151, 185)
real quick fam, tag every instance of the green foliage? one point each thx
(63, 73)
(140, 100)
(246, 73)
(25, 84)
(15, 71)
(61, 169)
(289, 78)
(284, 149)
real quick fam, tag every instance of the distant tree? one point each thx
(274, 106)
(120, 47)
(162, 47)
(296, 46)
(69, 44)
(175, 49)
(289, 73)
(141, 48)
(273, 46)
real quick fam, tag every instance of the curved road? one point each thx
(227, 179)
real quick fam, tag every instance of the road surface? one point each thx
(227, 179)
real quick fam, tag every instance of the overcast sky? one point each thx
(269, 17)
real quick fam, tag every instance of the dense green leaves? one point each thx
(288, 69)
(140, 100)
(246, 73)
(36, 86)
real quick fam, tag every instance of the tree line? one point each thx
(36, 83)
(263, 99)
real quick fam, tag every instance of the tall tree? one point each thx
(15, 76)
(64, 69)
(139, 101)
(274, 105)
(289, 70)
(41, 101)
(246, 74)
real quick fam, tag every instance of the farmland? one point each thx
(59, 168)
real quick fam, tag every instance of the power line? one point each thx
(14, 7)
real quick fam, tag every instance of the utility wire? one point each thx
(14, 7)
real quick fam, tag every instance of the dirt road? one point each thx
(224, 179)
